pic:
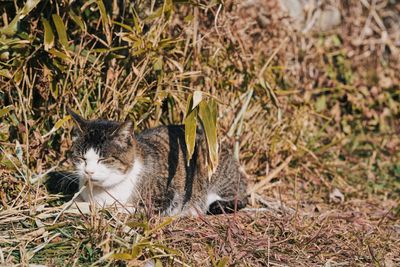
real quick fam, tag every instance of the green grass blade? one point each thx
(61, 30)
(48, 35)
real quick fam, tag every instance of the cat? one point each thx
(120, 167)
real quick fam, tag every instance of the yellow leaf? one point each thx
(61, 31)
(18, 75)
(136, 251)
(5, 73)
(121, 256)
(58, 124)
(5, 110)
(158, 63)
(160, 226)
(190, 132)
(29, 5)
(103, 13)
(77, 20)
(48, 35)
(104, 21)
(208, 116)
(11, 28)
(223, 262)
(61, 55)
(158, 263)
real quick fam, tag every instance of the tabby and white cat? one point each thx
(150, 168)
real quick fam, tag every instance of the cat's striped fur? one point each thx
(150, 169)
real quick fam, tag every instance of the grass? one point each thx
(315, 116)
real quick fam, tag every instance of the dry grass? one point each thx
(355, 233)
(315, 116)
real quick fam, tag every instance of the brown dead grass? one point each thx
(358, 233)
(340, 236)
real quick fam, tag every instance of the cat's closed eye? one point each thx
(108, 160)
(79, 160)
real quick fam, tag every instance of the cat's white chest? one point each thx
(119, 194)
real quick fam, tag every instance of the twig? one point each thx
(371, 252)
(2, 261)
(273, 205)
(41, 246)
(239, 119)
(384, 216)
(242, 111)
(216, 19)
(69, 203)
(269, 177)
(271, 57)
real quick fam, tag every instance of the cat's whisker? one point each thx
(71, 177)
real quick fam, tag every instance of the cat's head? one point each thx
(103, 151)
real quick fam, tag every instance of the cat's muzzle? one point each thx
(90, 179)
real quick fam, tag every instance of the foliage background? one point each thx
(315, 115)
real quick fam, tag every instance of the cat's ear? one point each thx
(124, 134)
(80, 122)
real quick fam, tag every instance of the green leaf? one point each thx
(208, 116)
(167, 249)
(58, 124)
(5, 73)
(84, 53)
(154, 15)
(158, 263)
(320, 104)
(121, 256)
(61, 30)
(29, 5)
(143, 225)
(48, 35)
(60, 55)
(7, 163)
(108, 50)
(8, 41)
(12, 28)
(223, 262)
(18, 76)
(77, 20)
(168, 6)
(125, 26)
(158, 227)
(158, 63)
(136, 251)
(6, 110)
(103, 13)
(136, 21)
(188, 18)
(190, 123)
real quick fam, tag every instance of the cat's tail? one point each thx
(230, 185)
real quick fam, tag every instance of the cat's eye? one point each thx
(80, 159)
(108, 160)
